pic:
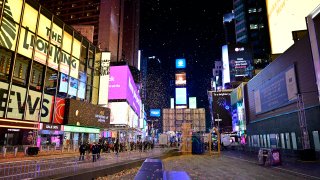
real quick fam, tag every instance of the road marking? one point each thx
(297, 173)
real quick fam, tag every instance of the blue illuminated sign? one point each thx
(155, 112)
(181, 95)
(180, 63)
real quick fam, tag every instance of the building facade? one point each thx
(115, 22)
(283, 106)
(251, 27)
(44, 63)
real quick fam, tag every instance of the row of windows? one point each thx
(256, 26)
(283, 140)
(54, 82)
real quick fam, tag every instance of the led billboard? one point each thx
(86, 114)
(119, 112)
(192, 102)
(122, 86)
(155, 113)
(180, 63)
(181, 79)
(240, 61)
(181, 95)
(284, 17)
(225, 66)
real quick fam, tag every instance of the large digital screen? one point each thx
(181, 95)
(181, 79)
(63, 83)
(284, 17)
(222, 107)
(87, 114)
(192, 102)
(122, 86)
(225, 62)
(240, 61)
(82, 85)
(155, 113)
(119, 112)
(180, 63)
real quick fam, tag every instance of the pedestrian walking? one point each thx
(116, 146)
(94, 152)
(82, 150)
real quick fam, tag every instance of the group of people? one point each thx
(96, 148)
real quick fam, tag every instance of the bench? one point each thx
(153, 169)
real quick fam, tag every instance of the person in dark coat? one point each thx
(94, 150)
(116, 146)
(82, 150)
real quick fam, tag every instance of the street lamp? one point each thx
(218, 120)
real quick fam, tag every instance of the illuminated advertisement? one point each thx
(119, 112)
(284, 17)
(59, 110)
(122, 86)
(181, 79)
(180, 63)
(82, 85)
(86, 114)
(181, 96)
(240, 60)
(279, 91)
(73, 86)
(69, 64)
(225, 66)
(9, 29)
(63, 83)
(16, 108)
(104, 78)
(222, 107)
(192, 102)
(155, 113)
(172, 103)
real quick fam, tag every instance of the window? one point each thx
(36, 76)
(20, 71)
(5, 61)
(88, 93)
(51, 81)
(253, 26)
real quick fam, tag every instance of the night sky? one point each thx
(191, 29)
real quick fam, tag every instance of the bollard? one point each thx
(26, 151)
(15, 151)
(68, 148)
(4, 150)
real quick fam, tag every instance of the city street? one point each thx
(230, 165)
(42, 167)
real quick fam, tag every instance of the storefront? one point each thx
(50, 134)
(75, 135)
(14, 132)
(84, 121)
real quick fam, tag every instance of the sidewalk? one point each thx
(289, 164)
(42, 155)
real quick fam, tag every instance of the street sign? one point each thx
(217, 119)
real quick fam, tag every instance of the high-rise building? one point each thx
(251, 27)
(115, 22)
(229, 28)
